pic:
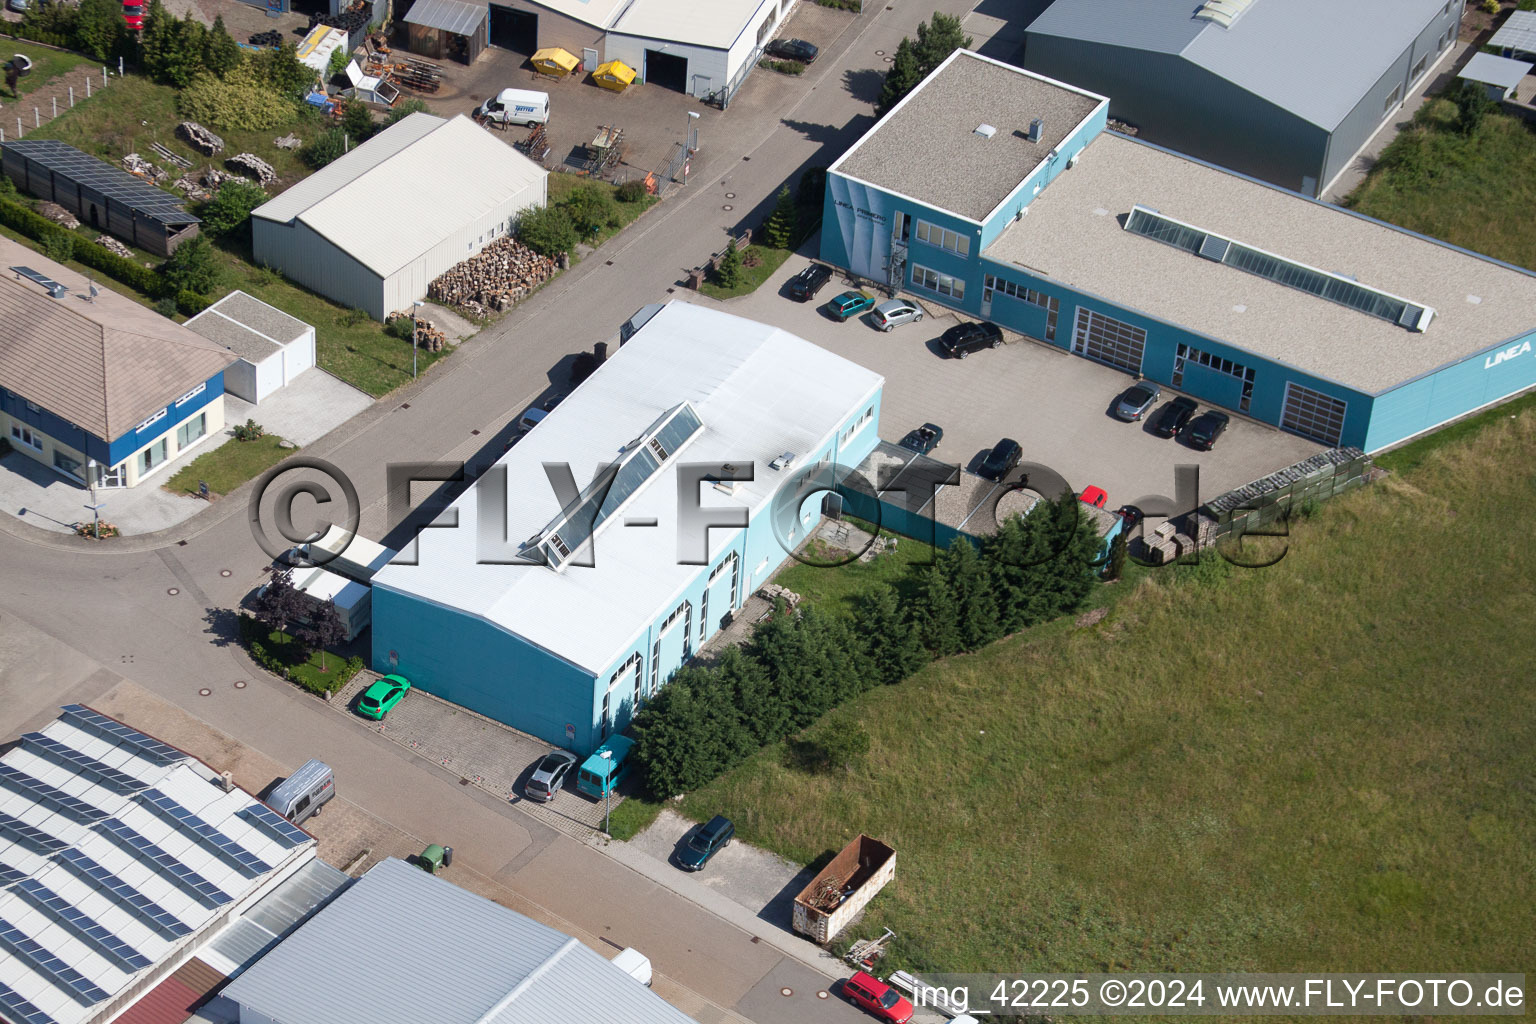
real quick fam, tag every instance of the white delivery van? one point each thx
(303, 793)
(516, 106)
(635, 964)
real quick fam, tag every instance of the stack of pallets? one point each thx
(416, 75)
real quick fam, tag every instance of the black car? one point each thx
(1131, 514)
(792, 49)
(712, 837)
(1208, 426)
(1001, 459)
(804, 285)
(1174, 416)
(924, 439)
(963, 339)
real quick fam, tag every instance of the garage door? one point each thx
(1313, 414)
(1109, 340)
(666, 70)
(517, 31)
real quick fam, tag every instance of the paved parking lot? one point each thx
(1056, 405)
(484, 753)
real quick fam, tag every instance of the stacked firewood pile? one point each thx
(115, 247)
(499, 277)
(428, 335)
(59, 215)
(199, 138)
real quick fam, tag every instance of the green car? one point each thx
(383, 695)
(850, 304)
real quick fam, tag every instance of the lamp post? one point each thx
(606, 755)
(692, 138)
(415, 309)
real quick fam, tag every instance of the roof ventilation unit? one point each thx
(784, 461)
(1415, 318)
(986, 131)
(1215, 248)
(1036, 127)
(1222, 12)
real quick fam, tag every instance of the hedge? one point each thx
(190, 303)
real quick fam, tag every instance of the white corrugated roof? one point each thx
(75, 938)
(471, 961)
(1517, 33)
(758, 390)
(716, 24)
(597, 13)
(453, 171)
(1500, 71)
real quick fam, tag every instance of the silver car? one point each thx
(549, 775)
(1133, 405)
(895, 312)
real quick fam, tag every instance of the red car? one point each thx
(876, 997)
(1094, 496)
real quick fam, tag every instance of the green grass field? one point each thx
(1321, 765)
(1475, 191)
(229, 465)
(48, 64)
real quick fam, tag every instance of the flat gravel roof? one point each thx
(928, 149)
(1074, 235)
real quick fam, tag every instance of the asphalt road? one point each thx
(74, 621)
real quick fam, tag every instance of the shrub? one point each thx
(633, 190)
(404, 109)
(223, 54)
(338, 64)
(357, 121)
(728, 270)
(401, 328)
(190, 303)
(191, 267)
(590, 208)
(99, 27)
(352, 317)
(250, 430)
(165, 307)
(229, 211)
(240, 101)
(783, 67)
(1490, 6)
(328, 145)
(547, 230)
(281, 70)
(60, 246)
(779, 232)
(813, 184)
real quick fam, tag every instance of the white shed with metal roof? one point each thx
(341, 233)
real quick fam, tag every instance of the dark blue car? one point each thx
(712, 837)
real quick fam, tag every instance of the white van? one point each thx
(303, 793)
(635, 964)
(516, 106)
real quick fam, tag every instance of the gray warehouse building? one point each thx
(340, 232)
(1288, 91)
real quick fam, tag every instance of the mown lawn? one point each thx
(229, 465)
(1475, 191)
(47, 64)
(758, 262)
(1323, 765)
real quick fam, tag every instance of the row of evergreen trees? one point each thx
(798, 667)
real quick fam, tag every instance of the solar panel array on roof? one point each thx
(136, 193)
(9, 874)
(276, 825)
(82, 764)
(20, 1010)
(82, 926)
(247, 863)
(38, 790)
(143, 908)
(168, 867)
(34, 839)
(114, 731)
(49, 966)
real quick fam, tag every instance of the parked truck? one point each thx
(344, 553)
(843, 888)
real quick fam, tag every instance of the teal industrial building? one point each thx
(559, 612)
(1001, 194)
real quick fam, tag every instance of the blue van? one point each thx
(600, 775)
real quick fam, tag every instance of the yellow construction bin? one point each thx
(614, 75)
(552, 60)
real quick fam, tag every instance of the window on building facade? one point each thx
(857, 425)
(68, 464)
(27, 436)
(1392, 100)
(943, 238)
(191, 430)
(934, 281)
(153, 456)
(1049, 303)
(1418, 69)
(184, 399)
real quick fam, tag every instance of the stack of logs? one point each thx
(499, 277)
(428, 335)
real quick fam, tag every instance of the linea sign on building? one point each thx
(1505, 355)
